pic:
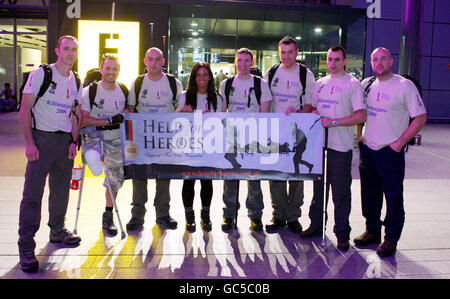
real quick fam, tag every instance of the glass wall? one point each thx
(213, 34)
(23, 47)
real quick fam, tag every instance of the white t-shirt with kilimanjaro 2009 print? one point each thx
(390, 104)
(52, 111)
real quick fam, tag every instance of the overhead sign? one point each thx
(98, 38)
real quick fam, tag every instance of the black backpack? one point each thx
(93, 93)
(91, 76)
(256, 88)
(410, 78)
(302, 75)
(48, 74)
(172, 83)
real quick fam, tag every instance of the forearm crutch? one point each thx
(327, 189)
(113, 199)
(81, 187)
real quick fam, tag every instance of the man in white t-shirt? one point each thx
(155, 95)
(288, 97)
(108, 102)
(391, 101)
(242, 97)
(50, 123)
(338, 99)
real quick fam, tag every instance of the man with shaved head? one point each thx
(391, 101)
(153, 92)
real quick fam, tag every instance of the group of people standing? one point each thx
(52, 124)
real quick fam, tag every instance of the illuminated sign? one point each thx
(98, 38)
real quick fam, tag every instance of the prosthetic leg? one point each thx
(102, 159)
(92, 157)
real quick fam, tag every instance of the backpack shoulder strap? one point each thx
(78, 82)
(92, 93)
(46, 82)
(228, 85)
(124, 89)
(302, 76)
(416, 83)
(173, 87)
(272, 71)
(366, 89)
(257, 86)
(137, 87)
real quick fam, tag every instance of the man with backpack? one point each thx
(244, 93)
(391, 100)
(101, 106)
(50, 121)
(153, 92)
(292, 85)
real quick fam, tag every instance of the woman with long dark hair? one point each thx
(200, 95)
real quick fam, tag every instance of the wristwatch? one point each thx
(335, 123)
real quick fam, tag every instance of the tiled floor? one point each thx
(423, 251)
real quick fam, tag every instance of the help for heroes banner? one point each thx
(222, 146)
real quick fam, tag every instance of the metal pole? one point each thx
(15, 56)
(324, 178)
(411, 38)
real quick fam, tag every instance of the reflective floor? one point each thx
(423, 251)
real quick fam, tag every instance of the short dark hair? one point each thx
(109, 57)
(65, 37)
(337, 49)
(244, 51)
(288, 40)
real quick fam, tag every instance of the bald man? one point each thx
(155, 95)
(391, 101)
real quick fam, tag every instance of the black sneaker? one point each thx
(275, 225)
(65, 237)
(367, 239)
(28, 261)
(311, 232)
(343, 244)
(190, 221)
(256, 225)
(108, 223)
(167, 222)
(135, 224)
(205, 220)
(295, 226)
(227, 224)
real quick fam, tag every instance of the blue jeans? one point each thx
(382, 172)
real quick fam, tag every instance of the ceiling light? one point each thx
(318, 30)
(298, 37)
(194, 33)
